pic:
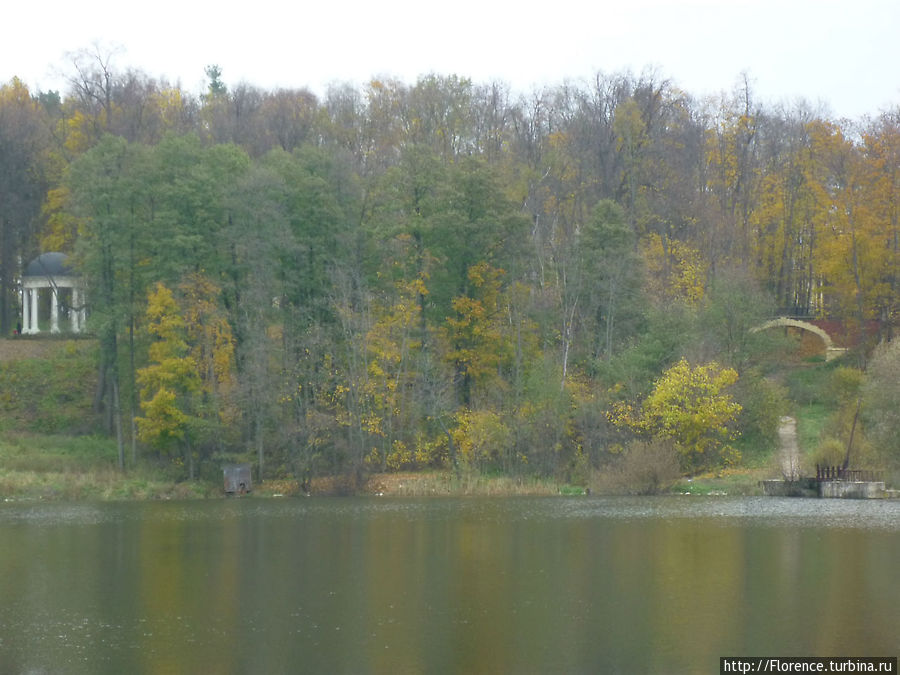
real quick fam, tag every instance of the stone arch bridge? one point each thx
(832, 351)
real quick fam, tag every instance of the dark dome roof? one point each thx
(48, 265)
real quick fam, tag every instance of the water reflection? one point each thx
(480, 585)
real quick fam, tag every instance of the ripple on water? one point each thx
(759, 511)
(756, 511)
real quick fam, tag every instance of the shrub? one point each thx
(880, 409)
(691, 406)
(643, 468)
(482, 438)
(830, 452)
(844, 385)
(763, 403)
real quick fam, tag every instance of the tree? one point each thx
(691, 406)
(93, 94)
(402, 261)
(211, 343)
(882, 154)
(256, 237)
(851, 259)
(216, 86)
(170, 382)
(287, 119)
(790, 217)
(614, 274)
(734, 305)
(105, 189)
(23, 180)
(676, 271)
(439, 113)
(881, 391)
(390, 382)
(189, 206)
(473, 332)
(732, 172)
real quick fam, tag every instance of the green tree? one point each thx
(189, 206)
(216, 86)
(256, 237)
(734, 305)
(614, 274)
(23, 179)
(474, 222)
(107, 195)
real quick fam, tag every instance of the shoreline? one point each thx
(108, 484)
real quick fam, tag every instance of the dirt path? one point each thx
(789, 451)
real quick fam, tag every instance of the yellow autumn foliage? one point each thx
(675, 270)
(690, 406)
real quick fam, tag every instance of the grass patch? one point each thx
(739, 482)
(46, 453)
(50, 447)
(50, 393)
(754, 455)
(34, 466)
(811, 420)
(97, 484)
(571, 490)
(284, 487)
(810, 383)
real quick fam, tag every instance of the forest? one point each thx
(452, 274)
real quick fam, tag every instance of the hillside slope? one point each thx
(46, 385)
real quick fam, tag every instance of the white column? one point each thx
(34, 311)
(54, 310)
(26, 314)
(82, 311)
(74, 313)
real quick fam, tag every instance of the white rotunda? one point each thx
(49, 271)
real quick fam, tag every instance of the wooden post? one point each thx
(852, 430)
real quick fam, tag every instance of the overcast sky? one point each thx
(843, 53)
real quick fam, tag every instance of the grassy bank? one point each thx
(435, 483)
(738, 482)
(47, 386)
(60, 468)
(52, 467)
(51, 475)
(50, 441)
(56, 467)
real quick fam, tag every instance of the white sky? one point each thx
(844, 53)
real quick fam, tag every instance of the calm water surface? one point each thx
(552, 585)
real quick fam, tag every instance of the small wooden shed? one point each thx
(237, 478)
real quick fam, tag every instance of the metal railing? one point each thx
(840, 473)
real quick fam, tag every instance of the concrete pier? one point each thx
(828, 489)
(852, 489)
(783, 488)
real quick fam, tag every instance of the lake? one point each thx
(402, 585)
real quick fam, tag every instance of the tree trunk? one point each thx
(117, 421)
(190, 458)
(258, 439)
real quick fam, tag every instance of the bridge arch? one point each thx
(831, 351)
